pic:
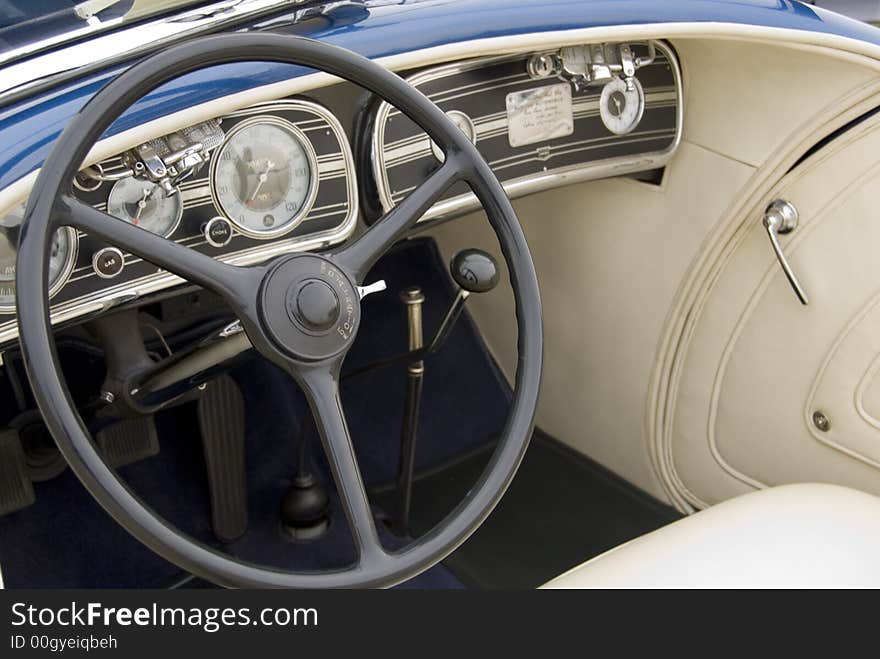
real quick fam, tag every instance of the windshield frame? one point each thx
(89, 19)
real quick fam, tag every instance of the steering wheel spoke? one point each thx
(361, 254)
(321, 387)
(236, 284)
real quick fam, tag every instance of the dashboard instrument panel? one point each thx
(278, 177)
(537, 120)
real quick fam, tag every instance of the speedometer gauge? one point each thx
(264, 177)
(61, 257)
(145, 204)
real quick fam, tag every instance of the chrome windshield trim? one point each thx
(28, 65)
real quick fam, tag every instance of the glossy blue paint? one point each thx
(375, 29)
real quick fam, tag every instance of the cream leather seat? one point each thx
(806, 535)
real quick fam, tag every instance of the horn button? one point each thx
(310, 307)
(313, 305)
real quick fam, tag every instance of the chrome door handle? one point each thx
(780, 218)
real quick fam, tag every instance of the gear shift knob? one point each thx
(474, 270)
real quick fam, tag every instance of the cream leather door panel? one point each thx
(774, 392)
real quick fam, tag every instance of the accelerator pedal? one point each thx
(16, 489)
(221, 421)
(128, 441)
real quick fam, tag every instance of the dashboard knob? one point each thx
(108, 262)
(218, 232)
(474, 270)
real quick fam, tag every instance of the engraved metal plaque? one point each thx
(536, 115)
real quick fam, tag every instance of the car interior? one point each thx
(593, 306)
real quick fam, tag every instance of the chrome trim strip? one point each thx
(527, 184)
(555, 178)
(35, 66)
(59, 39)
(107, 298)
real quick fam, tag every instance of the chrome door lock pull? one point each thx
(780, 218)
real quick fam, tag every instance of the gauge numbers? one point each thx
(621, 109)
(61, 257)
(264, 177)
(145, 204)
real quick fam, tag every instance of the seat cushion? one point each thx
(805, 535)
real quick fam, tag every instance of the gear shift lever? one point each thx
(474, 271)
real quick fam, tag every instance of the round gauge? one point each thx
(264, 177)
(61, 257)
(464, 124)
(145, 204)
(621, 109)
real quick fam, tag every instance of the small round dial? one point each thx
(145, 204)
(464, 124)
(61, 257)
(621, 109)
(264, 177)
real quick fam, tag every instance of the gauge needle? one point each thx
(141, 205)
(260, 180)
(617, 103)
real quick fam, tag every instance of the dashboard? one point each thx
(269, 179)
(280, 176)
(540, 120)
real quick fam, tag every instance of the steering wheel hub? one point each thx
(309, 307)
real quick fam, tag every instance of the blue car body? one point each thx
(29, 126)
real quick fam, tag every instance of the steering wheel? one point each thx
(300, 311)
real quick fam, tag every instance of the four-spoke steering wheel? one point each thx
(300, 311)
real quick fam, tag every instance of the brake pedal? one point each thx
(128, 441)
(16, 489)
(221, 421)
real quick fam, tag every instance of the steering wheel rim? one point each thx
(51, 204)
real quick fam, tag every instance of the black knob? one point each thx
(474, 270)
(316, 305)
(305, 510)
(305, 503)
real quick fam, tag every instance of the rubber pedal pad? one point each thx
(222, 426)
(128, 441)
(16, 489)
